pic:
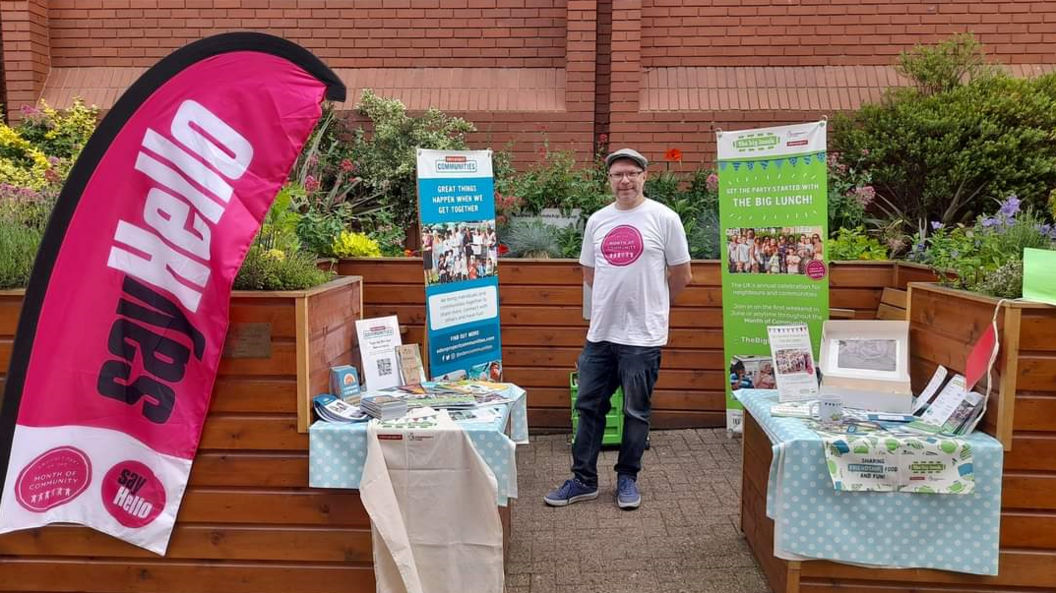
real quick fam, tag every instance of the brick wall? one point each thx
(655, 74)
(836, 32)
(344, 34)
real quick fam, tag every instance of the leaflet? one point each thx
(793, 357)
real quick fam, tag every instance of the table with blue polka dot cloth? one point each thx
(812, 520)
(337, 452)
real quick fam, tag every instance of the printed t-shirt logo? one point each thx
(622, 246)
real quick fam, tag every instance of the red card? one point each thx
(979, 358)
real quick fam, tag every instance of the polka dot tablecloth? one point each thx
(337, 452)
(884, 529)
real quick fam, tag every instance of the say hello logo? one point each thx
(456, 164)
(756, 142)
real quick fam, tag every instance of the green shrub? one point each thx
(1005, 282)
(18, 249)
(850, 245)
(556, 182)
(271, 269)
(349, 245)
(942, 151)
(60, 133)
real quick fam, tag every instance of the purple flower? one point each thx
(865, 195)
(990, 222)
(936, 225)
(1010, 207)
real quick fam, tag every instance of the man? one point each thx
(635, 258)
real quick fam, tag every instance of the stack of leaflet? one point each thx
(332, 409)
(442, 401)
(383, 406)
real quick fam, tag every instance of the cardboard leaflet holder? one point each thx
(866, 363)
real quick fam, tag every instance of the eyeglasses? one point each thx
(632, 175)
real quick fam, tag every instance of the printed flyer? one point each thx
(773, 212)
(460, 262)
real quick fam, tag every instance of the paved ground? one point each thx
(684, 538)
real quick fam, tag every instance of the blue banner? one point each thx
(460, 261)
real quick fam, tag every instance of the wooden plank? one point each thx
(1032, 491)
(894, 297)
(255, 394)
(156, 576)
(1037, 331)
(1019, 568)
(270, 433)
(1028, 529)
(335, 508)
(250, 469)
(663, 399)
(10, 310)
(1037, 371)
(1035, 412)
(565, 357)
(841, 313)
(1032, 451)
(891, 313)
(861, 274)
(200, 542)
(276, 312)
(1009, 367)
(528, 378)
(300, 364)
(282, 362)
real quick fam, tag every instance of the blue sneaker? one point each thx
(571, 491)
(627, 495)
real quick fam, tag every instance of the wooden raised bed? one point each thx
(248, 523)
(1021, 413)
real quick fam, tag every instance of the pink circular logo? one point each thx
(133, 494)
(622, 246)
(52, 479)
(816, 269)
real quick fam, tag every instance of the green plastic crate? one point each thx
(613, 434)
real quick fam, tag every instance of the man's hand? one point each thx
(677, 278)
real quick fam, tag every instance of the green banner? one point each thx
(773, 214)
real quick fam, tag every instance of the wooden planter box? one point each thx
(944, 323)
(248, 522)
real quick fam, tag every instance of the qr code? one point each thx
(384, 366)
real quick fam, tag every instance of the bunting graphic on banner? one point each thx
(126, 311)
(773, 213)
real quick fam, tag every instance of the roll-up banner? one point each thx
(126, 311)
(773, 211)
(456, 202)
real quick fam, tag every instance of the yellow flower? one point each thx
(349, 244)
(276, 254)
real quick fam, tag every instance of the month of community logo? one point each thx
(622, 246)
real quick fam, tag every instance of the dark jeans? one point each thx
(604, 366)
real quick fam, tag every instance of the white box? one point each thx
(867, 364)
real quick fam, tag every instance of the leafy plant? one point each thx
(386, 159)
(976, 254)
(704, 239)
(946, 65)
(18, 250)
(532, 239)
(849, 190)
(963, 137)
(855, 244)
(59, 133)
(1005, 282)
(349, 244)
(273, 269)
(557, 182)
(569, 241)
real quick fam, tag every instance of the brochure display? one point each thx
(378, 339)
(460, 260)
(793, 356)
(127, 310)
(773, 214)
(867, 364)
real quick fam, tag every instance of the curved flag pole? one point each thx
(229, 113)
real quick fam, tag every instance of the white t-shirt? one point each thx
(630, 251)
